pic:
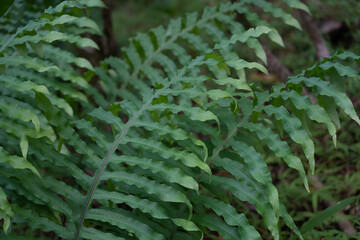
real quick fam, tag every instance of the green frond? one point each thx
(326, 89)
(16, 162)
(293, 127)
(215, 224)
(162, 191)
(314, 112)
(279, 148)
(259, 171)
(38, 222)
(188, 159)
(118, 151)
(93, 234)
(123, 221)
(171, 174)
(231, 217)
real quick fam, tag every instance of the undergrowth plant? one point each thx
(158, 143)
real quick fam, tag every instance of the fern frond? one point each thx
(123, 162)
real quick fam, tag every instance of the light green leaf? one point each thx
(195, 113)
(5, 205)
(241, 64)
(243, 37)
(171, 174)
(189, 159)
(236, 83)
(259, 171)
(161, 191)
(28, 62)
(14, 110)
(120, 220)
(24, 146)
(7, 221)
(144, 205)
(18, 85)
(16, 162)
(185, 224)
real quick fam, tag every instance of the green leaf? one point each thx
(326, 89)
(120, 220)
(169, 173)
(323, 215)
(16, 162)
(236, 83)
(241, 64)
(289, 221)
(175, 133)
(340, 68)
(215, 224)
(259, 171)
(24, 146)
(39, 190)
(185, 224)
(293, 127)
(4, 204)
(107, 117)
(217, 94)
(280, 148)
(277, 12)
(314, 112)
(38, 48)
(194, 113)
(297, 4)
(244, 36)
(94, 133)
(42, 223)
(246, 191)
(231, 217)
(188, 159)
(162, 191)
(14, 110)
(28, 62)
(7, 221)
(18, 85)
(45, 36)
(64, 56)
(93, 234)
(144, 205)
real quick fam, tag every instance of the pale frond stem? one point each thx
(11, 38)
(217, 153)
(115, 145)
(12, 5)
(15, 34)
(104, 164)
(160, 49)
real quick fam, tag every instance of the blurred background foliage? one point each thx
(338, 20)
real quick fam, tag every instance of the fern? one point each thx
(177, 109)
